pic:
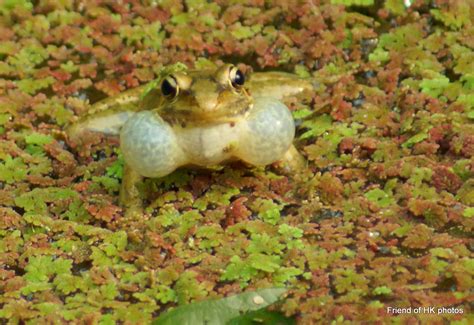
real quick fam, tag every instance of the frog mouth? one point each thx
(232, 112)
(228, 114)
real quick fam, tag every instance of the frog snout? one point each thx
(207, 103)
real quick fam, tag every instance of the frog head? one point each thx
(198, 97)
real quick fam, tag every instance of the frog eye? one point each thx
(169, 87)
(236, 76)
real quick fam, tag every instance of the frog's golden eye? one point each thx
(170, 87)
(236, 77)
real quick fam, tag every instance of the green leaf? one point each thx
(266, 263)
(27, 58)
(69, 66)
(243, 32)
(383, 290)
(468, 81)
(462, 169)
(217, 312)
(468, 213)
(181, 18)
(41, 268)
(434, 87)
(289, 231)
(203, 64)
(76, 212)
(362, 3)
(168, 216)
(31, 86)
(218, 195)
(68, 283)
(269, 211)
(262, 317)
(7, 5)
(38, 139)
(107, 319)
(109, 291)
(291, 235)
(455, 18)
(99, 258)
(415, 139)
(402, 230)
(301, 113)
(35, 287)
(316, 126)
(111, 184)
(188, 287)
(146, 36)
(262, 243)
(114, 243)
(36, 200)
(162, 293)
(468, 101)
(302, 71)
(238, 269)
(4, 118)
(286, 274)
(379, 197)
(379, 55)
(55, 110)
(395, 6)
(442, 252)
(48, 307)
(13, 170)
(470, 114)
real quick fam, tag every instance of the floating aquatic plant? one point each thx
(382, 216)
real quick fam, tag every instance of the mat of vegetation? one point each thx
(382, 217)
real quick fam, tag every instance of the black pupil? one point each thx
(167, 88)
(239, 78)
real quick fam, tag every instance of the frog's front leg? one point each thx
(108, 115)
(150, 149)
(292, 161)
(129, 195)
(150, 146)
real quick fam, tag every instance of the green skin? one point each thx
(206, 100)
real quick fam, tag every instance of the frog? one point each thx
(202, 117)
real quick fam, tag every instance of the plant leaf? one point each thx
(220, 311)
(262, 317)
